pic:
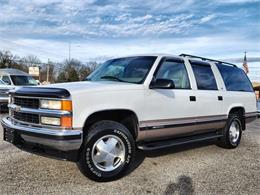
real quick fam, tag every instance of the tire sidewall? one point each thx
(231, 120)
(86, 157)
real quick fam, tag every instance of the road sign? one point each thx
(34, 71)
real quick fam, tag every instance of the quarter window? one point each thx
(234, 78)
(204, 76)
(175, 71)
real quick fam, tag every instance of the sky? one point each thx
(99, 29)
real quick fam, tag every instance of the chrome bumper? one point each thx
(62, 140)
(4, 99)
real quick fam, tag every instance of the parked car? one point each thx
(11, 79)
(132, 103)
(16, 77)
(4, 95)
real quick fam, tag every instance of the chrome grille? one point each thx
(26, 102)
(26, 117)
(4, 92)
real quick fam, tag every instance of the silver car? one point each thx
(4, 95)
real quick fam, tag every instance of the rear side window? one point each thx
(174, 70)
(235, 78)
(204, 76)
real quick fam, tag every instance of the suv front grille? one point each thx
(26, 117)
(4, 92)
(26, 102)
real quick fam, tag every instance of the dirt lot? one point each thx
(197, 169)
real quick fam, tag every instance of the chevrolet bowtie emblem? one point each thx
(17, 108)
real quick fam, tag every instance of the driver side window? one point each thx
(175, 71)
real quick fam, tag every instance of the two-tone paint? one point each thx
(160, 113)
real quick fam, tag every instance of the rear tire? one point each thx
(231, 133)
(108, 151)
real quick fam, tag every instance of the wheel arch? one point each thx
(126, 117)
(240, 111)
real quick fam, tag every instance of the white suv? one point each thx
(145, 102)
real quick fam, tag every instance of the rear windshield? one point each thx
(23, 80)
(235, 78)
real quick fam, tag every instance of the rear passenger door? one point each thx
(209, 97)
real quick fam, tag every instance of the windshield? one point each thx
(23, 80)
(130, 69)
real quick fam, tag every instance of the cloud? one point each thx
(223, 48)
(207, 18)
(112, 28)
(236, 1)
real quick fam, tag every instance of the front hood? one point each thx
(64, 90)
(94, 86)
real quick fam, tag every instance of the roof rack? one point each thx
(207, 59)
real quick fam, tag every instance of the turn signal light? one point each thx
(66, 105)
(66, 121)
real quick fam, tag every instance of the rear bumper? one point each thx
(62, 144)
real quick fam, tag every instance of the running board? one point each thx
(148, 146)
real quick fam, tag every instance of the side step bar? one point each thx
(155, 145)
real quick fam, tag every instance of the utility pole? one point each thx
(48, 69)
(245, 65)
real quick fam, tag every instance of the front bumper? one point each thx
(4, 100)
(62, 144)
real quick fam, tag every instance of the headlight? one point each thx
(64, 121)
(51, 104)
(50, 121)
(56, 104)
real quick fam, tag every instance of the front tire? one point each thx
(108, 151)
(231, 133)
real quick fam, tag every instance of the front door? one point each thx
(170, 112)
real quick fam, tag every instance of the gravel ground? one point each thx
(197, 169)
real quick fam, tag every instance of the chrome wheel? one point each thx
(108, 153)
(234, 132)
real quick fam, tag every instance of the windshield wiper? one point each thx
(112, 77)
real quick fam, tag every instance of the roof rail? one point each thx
(207, 59)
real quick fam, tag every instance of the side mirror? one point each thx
(162, 84)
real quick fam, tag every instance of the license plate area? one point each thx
(9, 135)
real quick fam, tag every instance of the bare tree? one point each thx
(74, 70)
(31, 60)
(7, 59)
